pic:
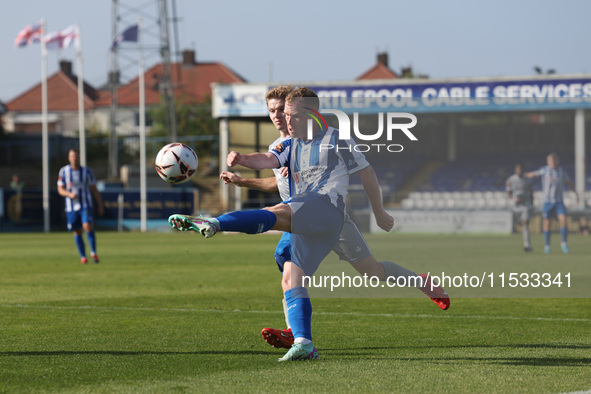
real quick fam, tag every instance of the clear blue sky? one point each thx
(323, 40)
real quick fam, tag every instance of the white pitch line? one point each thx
(444, 315)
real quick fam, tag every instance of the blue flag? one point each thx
(129, 34)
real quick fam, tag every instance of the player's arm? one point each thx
(61, 187)
(532, 174)
(268, 185)
(255, 161)
(374, 194)
(61, 190)
(98, 199)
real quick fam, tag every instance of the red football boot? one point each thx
(438, 295)
(278, 338)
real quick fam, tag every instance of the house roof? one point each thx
(379, 71)
(62, 95)
(191, 83)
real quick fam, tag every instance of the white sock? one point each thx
(525, 232)
(302, 340)
(285, 313)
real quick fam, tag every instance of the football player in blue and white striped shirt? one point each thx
(351, 246)
(554, 178)
(314, 214)
(78, 185)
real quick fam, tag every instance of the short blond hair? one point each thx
(306, 95)
(280, 92)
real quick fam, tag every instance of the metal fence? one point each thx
(26, 150)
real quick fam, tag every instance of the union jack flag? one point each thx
(29, 35)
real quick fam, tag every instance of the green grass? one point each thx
(173, 312)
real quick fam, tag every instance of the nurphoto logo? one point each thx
(392, 125)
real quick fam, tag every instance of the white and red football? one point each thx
(176, 163)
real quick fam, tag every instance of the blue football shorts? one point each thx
(76, 218)
(315, 228)
(553, 209)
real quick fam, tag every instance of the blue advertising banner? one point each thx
(420, 96)
(24, 211)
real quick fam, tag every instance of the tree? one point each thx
(191, 119)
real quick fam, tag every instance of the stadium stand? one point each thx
(478, 182)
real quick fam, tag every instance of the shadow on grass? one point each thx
(132, 353)
(365, 352)
(529, 361)
(515, 361)
(510, 346)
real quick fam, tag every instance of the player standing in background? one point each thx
(351, 247)
(77, 185)
(520, 189)
(553, 180)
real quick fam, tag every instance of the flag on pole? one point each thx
(29, 35)
(129, 34)
(63, 38)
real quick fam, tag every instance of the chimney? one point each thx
(66, 67)
(383, 58)
(189, 57)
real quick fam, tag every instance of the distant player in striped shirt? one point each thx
(520, 189)
(77, 185)
(554, 178)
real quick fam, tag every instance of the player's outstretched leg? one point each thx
(248, 222)
(206, 227)
(278, 338)
(437, 294)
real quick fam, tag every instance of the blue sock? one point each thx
(80, 245)
(91, 241)
(563, 233)
(547, 238)
(299, 312)
(249, 222)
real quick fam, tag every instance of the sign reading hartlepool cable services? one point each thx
(420, 96)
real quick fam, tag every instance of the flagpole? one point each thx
(142, 104)
(45, 131)
(81, 126)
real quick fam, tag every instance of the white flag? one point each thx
(66, 38)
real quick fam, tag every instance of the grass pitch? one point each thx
(174, 312)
